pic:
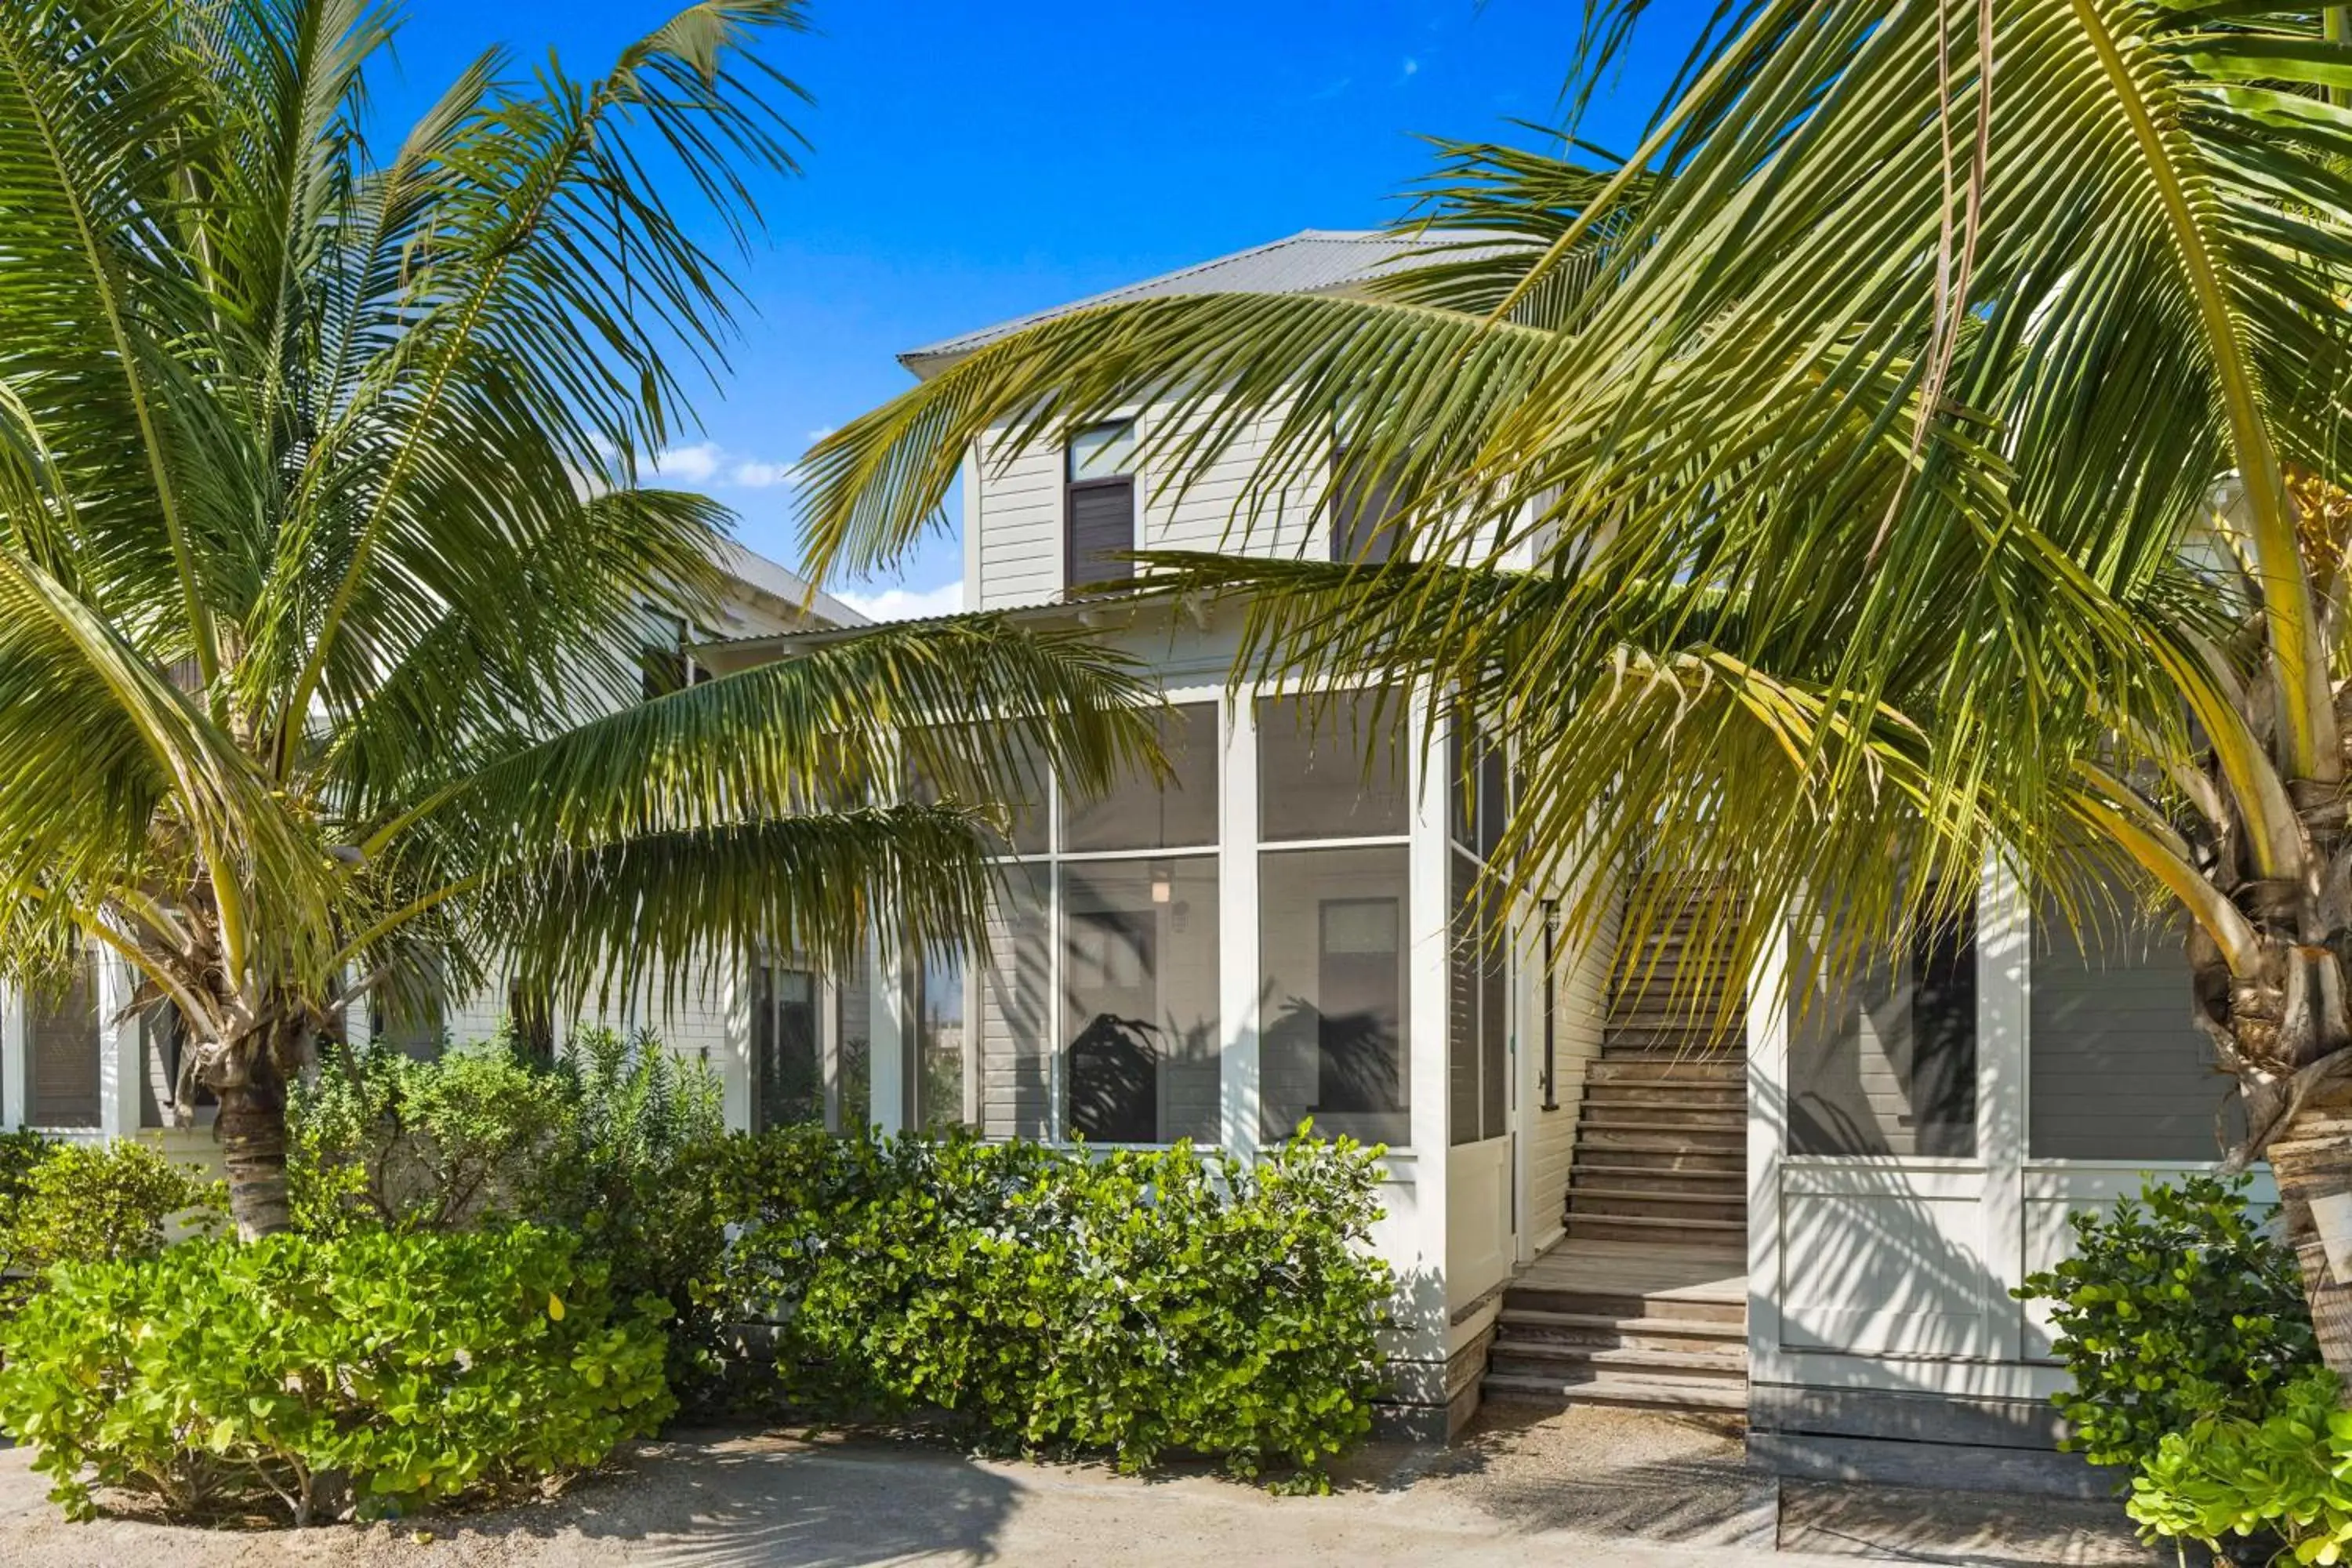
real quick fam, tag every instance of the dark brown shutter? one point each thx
(1102, 528)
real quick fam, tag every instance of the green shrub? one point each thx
(88, 1203)
(377, 1138)
(2176, 1307)
(1132, 1301)
(2285, 1476)
(615, 1139)
(283, 1377)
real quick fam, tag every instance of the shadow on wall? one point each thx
(755, 1503)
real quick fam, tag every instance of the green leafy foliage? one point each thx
(88, 1203)
(2176, 1307)
(377, 1138)
(1133, 1301)
(2286, 1475)
(612, 1140)
(293, 1376)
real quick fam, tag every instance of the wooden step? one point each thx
(1528, 1325)
(1668, 1115)
(1653, 1138)
(1668, 1158)
(1728, 1181)
(1614, 1227)
(1524, 1357)
(1636, 1203)
(1702, 1094)
(1636, 1069)
(1629, 1306)
(1638, 1393)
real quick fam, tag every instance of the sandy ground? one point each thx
(1589, 1486)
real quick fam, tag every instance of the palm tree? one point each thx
(323, 564)
(1929, 442)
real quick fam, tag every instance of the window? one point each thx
(1140, 999)
(64, 1030)
(1888, 1064)
(2115, 1069)
(1332, 767)
(853, 1002)
(937, 1008)
(787, 1063)
(1016, 997)
(1478, 973)
(1365, 506)
(409, 1017)
(1099, 502)
(162, 1046)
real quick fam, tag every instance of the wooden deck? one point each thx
(1716, 1276)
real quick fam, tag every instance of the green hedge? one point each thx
(1130, 1301)
(281, 1378)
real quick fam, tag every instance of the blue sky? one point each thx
(970, 162)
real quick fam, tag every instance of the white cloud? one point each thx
(760, 476)
(706, 464)
(1411, 66)
(907, 604)
(819, 434)
(694, 464)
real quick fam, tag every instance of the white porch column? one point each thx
(2004, 971)
(1425, 1286)
(1768, 1123)
(891, 1031)
(15, 1059)
(1239, 1081)
(119, 1064)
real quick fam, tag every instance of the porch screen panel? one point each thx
(1016, 994)
(1887, 1064)
(1333, 767)
(2116, 1070)
(1139, 1024)
(1334, 1001)
(64, 1057)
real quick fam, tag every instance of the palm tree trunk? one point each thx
(252, 1131)
(2313, 1159)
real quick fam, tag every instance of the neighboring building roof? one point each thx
(779, 581)
(1313, 261)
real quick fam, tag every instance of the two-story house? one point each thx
(1817, 1223)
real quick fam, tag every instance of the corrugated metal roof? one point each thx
(1313, 261)
(750, 568)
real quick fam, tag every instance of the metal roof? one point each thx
(1313, 261)
(755, 570)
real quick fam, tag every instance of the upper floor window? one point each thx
(1364, 508)
(1099, 490)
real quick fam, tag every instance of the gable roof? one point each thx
(1312, 262)
(778, 582)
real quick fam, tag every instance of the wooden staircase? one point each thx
(1645, 1301)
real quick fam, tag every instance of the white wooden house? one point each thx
(1819, 1225)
